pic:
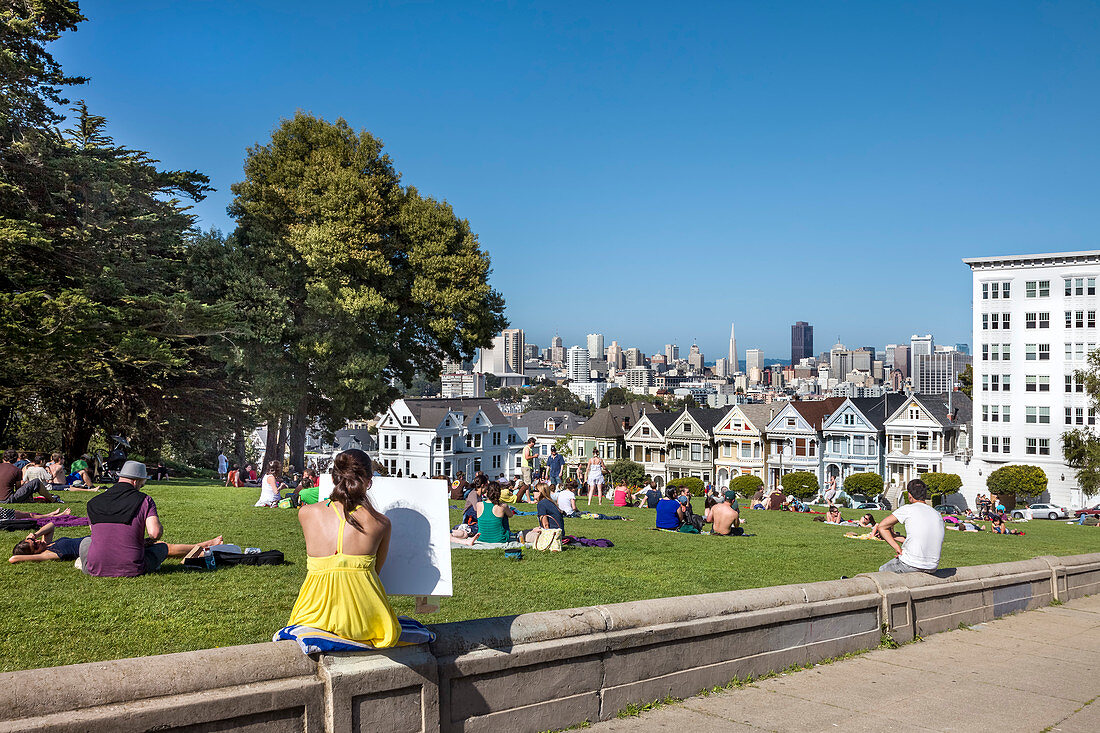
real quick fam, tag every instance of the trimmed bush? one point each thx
(1024, 481)
(802, 484)
(694, 485)
(746, 485)
(625, 472)
(869, 484)
(941, 484)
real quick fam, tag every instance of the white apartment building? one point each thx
(754, 359)
(578, 364)
(639, 379)
(1034, 325)
(462, 384)
(939, 372)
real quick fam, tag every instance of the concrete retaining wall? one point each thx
(536, 671)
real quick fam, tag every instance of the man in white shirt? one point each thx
(920, 553)
(567, 500)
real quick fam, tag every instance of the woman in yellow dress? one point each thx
(346, 545)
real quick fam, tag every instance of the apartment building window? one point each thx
(1031, 320)
(1080, 285)
(1031, 446)
(800, 446)
(496, 461)
(447, 443)
(1004, 444)
(477, 440)
(1044, 320)
(1037, 289)
(994, 444)
(995, 290)
(1039, 415)
(857, 445)
(834, 444)
(985, 444)
(1069, 319)
(727, 450)
(496, 438)
(1037, 383)
(1005, 413)
(1044, 446)
(985, 321)
(1031, 352)
(1006, 382)
(985, 352)
(1090, 321)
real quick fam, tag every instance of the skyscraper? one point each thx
(579, 369)
(921, 346)
(672, 354)
(802, 341)
(722, 367)
(513, 349)
(754, 358)
(695, 359)
(595, 346)
(732, 365)
(615, 356)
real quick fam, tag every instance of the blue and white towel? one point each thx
(314, 641)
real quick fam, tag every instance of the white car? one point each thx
(1041, 511)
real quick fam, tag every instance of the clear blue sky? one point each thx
(653, 171)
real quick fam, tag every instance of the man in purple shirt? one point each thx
(120, 518)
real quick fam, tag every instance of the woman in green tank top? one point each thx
(492, 516)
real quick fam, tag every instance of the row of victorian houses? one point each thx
(897, 436)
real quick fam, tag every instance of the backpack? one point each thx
(267, 557)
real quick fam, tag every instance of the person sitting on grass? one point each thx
(120, 519)
(56, 469)
(492, 516)
(670, 512)
(13, 490)
(567, 498)
(347, 541)
(549, 514)
(269, 491)
(725, 515)
(40, 546)
(999, 526)
(81, 471)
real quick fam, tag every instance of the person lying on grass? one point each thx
(724, 514)
(16, 514)
(40, 546)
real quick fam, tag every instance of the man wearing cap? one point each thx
(725, 516)
(920, 552)
(120, 519)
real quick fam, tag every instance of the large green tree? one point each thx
(803, 484)
(1017, 480)
(357, 282)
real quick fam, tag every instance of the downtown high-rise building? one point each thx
(732, 358)
(672, 354)
(754, 358)
(614, 356)
(578, 368)
(633, 357)
(921, 346)
(513, 349)
(595, 346)
(695, 359)
(802, 342)
(722, 367)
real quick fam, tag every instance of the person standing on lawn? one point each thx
(527, 467)
(121, 517)
(554, 467)
(920, 552)
(223, 465)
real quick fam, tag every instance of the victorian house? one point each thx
(794, 438)
(854, 437)
(921, 433)
(689, 443)
(645, 444)
(740, 448)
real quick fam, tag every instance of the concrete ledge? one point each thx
(535, 671)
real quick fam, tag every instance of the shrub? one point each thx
(868, 484)
(746, 485)
(693, 485)
(802, 484)
(625, 472)
(1024, 481)
(941, 484)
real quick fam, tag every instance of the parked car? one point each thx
(949, 509)
(1095, 509)
(1041, 511)
(872, 506)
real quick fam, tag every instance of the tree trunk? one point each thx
(76, 434)
(272, 442)
(298, 424)
(240, 447)
(284, 427)
(6, 414)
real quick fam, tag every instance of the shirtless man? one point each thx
(725, 516)
(40, 546)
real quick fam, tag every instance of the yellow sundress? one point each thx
(342, 594)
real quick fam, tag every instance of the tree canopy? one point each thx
(941, 484)
(1081, 447)
(625, 472)
(746, 485)
(868, 484)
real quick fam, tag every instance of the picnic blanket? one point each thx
(318, 641)
(63, 520)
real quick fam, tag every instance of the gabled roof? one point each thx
(936, 404)
(601, 425)
(535, 422)
(815, 411)
(759, 415)
(707, 417)
(430, 411)
(877, 409)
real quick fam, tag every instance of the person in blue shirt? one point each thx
(554, 466)
(670, 512)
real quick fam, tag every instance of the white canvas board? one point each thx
(419, 559)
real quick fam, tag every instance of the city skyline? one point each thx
(780, 162)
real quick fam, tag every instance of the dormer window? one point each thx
(551, 426)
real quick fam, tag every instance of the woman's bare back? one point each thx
(320, 524)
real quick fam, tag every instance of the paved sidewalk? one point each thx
(1036, 671)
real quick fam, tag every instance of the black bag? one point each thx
(14, 525)
(267, 557)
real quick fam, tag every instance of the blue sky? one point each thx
(653, 171)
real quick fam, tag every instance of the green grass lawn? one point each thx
(56, 615)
